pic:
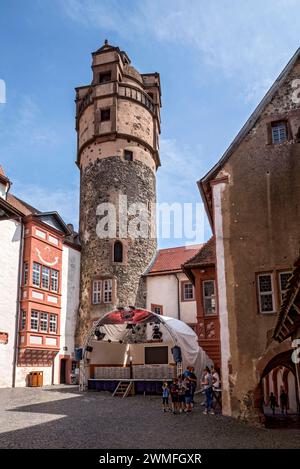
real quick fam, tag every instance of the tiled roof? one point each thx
(205, 256)
(171, 259)
(20, 205)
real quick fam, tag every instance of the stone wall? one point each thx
(260, 220)
(103, 180)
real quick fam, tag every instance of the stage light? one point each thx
(100, 335)
(109, 341)
(120, 341)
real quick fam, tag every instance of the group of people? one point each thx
(180, 393)
(283, 402)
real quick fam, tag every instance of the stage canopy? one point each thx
(136, 326)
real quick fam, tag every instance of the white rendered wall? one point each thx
(163, 290)
(10, 237)
(23, 371)
(115, 354)
(69, 304)
(218, 190)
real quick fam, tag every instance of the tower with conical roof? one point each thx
(118, 127)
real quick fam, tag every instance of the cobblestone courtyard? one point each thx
(61, 417)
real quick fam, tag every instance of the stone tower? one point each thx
(118, 127)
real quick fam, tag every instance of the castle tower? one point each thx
(118, 127)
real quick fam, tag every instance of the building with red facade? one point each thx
(37, 315)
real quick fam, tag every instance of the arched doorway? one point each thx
(279, 375)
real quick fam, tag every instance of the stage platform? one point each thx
(141, 386)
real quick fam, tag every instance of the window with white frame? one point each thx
(97, 290)
(45, 277)
(209, 297)
(54, 280)
(188, 291)
(279, 132)
(43, 322)
(283, 281)
(107, 291)
(25, 273)
(53, 323)
(36, 274)
(34, 320)
(23, 319)
(266, 293)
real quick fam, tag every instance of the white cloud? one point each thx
(22, 122)
(247, 41)
(63, 201)
(182, 165)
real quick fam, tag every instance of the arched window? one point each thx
(118, 251)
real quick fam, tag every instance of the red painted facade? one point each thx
(201, 269)
(40, 293)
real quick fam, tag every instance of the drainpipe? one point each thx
(178, 297)
(17, 316)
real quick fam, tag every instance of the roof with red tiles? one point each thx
(20, 205)
(206, 255)
(171, 259)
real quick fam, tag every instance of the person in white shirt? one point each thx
(216, 378)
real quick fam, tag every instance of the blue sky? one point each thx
(216, 60)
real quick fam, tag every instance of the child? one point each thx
(188, 395)
(174, 395)
(181, 394)
(165, 396)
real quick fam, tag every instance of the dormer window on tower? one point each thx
(279, 132)
(104, 77)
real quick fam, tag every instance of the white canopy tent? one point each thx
(136, 326)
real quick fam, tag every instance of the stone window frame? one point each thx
(102, 278)
(128, 153)
(125, 251)
(278, 119)
(156, 306)
(273, 292)
(105, 73)
(182, 284)
(105, 109)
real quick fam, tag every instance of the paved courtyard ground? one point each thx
(61, 417)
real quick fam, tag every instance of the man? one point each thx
(193, 381)
(208, 385)
(283, 401)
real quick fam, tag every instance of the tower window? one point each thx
(107, 291)
(105, 115)
(104, 77)
(279, 132)
(128, 155)
(118, 251)
(97, 287)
